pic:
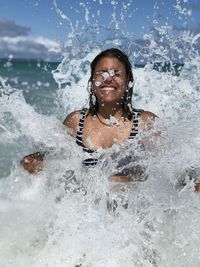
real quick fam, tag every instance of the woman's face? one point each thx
(109, 81)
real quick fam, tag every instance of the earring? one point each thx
(89, 86)
(93, 98)
(130, 107)
(130, 84)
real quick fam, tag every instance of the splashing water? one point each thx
(68, 216)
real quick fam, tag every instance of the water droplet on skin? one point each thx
(98, 83)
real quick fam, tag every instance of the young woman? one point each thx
(110, 118)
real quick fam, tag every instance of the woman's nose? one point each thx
(108, 79)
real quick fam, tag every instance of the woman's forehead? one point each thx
(106, 63)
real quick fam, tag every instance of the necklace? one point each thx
(109, 122)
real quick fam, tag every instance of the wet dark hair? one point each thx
(127, 98)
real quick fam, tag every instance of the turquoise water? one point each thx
(36, 81)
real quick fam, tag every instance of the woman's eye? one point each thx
(117, 74)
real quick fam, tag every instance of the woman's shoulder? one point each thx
(72, 121)
(72, 116)
(148, 116)
(147, 120)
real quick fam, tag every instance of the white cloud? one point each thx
(51, 45)
(29, 47)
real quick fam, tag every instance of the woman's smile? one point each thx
(107, 89)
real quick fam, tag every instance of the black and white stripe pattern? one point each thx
(91, 160)
(134, 129)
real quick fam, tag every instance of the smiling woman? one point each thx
(110, 118)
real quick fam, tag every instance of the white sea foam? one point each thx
(68, 216)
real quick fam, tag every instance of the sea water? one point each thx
(69, 216)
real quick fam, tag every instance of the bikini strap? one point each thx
(79, 134)
(134, 129)
(91, 160)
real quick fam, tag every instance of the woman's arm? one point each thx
(135, 173)
(71, 121)
(147, 128)
(197, 187)
(119, 179)
(33, 162)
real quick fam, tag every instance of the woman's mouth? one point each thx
(107, 89)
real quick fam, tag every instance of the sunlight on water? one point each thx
(69, 216)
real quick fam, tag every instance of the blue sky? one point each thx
(40, 21)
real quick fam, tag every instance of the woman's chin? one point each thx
(110, 100)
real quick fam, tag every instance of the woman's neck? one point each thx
(107, 111)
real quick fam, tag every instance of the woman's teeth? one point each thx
(108, 89)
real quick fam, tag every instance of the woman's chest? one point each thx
(97, 135)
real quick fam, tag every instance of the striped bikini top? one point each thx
(91, 160)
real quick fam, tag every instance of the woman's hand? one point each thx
(33, 162)
(136, 173)
(197, 186)
(119, 179)
(193, 174)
